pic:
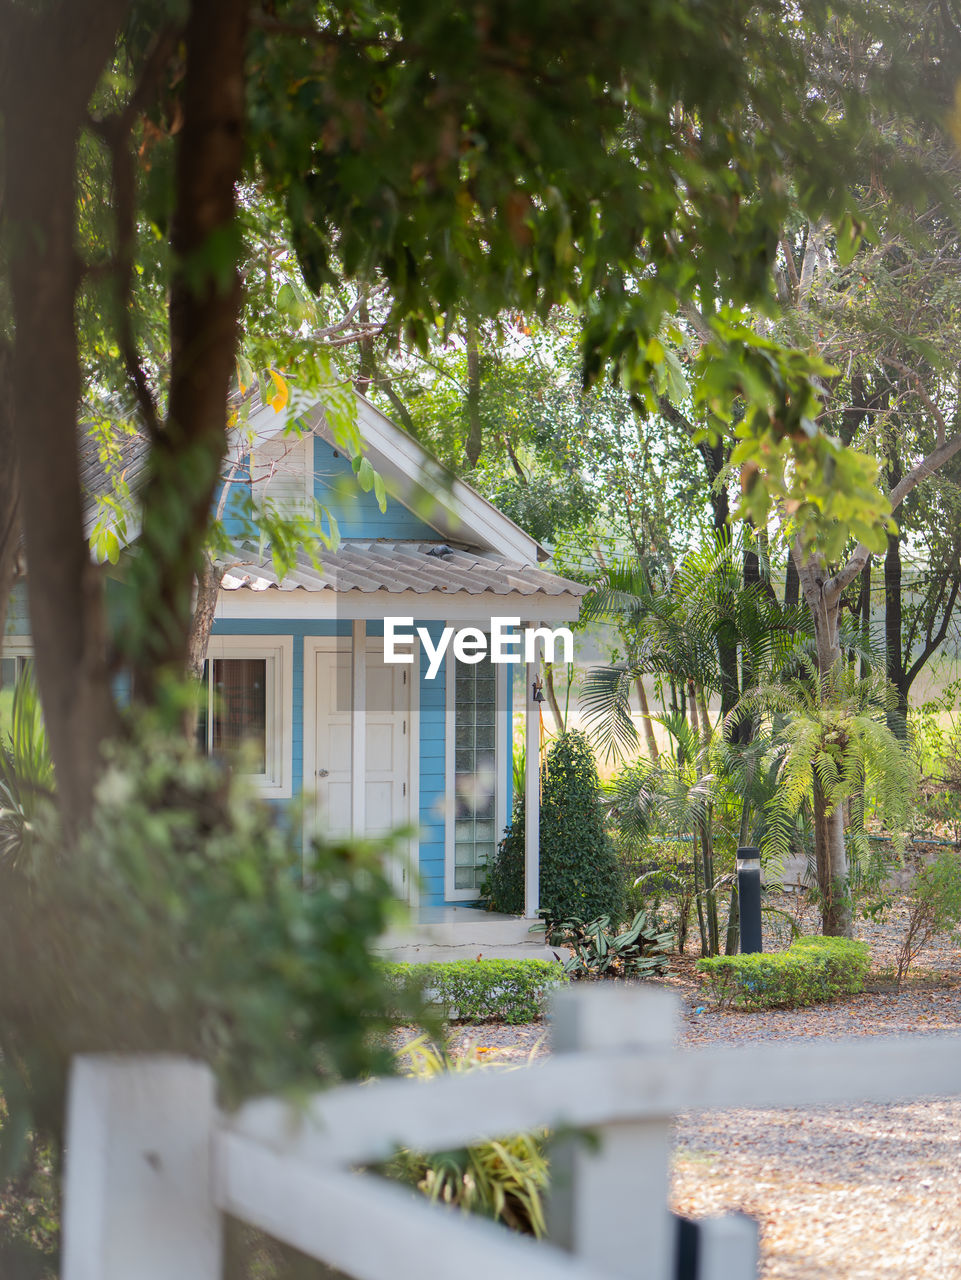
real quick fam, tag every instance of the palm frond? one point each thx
(605, 700)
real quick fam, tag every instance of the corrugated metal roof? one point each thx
(373, 565)
(100, 469)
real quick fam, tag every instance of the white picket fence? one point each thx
(152, 1164)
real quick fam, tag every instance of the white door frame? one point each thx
(312, 646)
(358, 734)
(357, 645)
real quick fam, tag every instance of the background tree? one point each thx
(466, 162)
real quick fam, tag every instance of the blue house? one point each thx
(363, 689)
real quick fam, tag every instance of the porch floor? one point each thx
(463, 933)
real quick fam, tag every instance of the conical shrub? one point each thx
(580, 874)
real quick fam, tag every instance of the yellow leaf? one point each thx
(278, 401)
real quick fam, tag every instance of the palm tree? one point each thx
(833, 743)
(686, 633)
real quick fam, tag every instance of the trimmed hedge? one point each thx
(482, 990)
(812, 970)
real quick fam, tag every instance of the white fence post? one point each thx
(728, 1248)
(138, 1187)
(608, 1200)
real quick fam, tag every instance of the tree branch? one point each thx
(934, 643)
(925, 468)
(791, 268)
(515, 463)
(922, 394)
(697, 321)
(115, 133)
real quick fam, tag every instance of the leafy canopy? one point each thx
(625, 159)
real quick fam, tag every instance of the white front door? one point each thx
(375, 745)
(330, 757)
(387, 748)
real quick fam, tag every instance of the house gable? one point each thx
(425, 500)
(358, 514)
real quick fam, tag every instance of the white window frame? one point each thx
(276, 783)
(14, 646)
(452, 894)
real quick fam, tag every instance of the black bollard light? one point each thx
(749, 898)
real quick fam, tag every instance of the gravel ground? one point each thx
(845, 1193)
(851, 1193)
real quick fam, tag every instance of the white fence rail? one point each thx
(152, 1165)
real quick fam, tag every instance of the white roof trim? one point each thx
(376, 605)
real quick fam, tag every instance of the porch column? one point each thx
(532, 796)
(358, 728)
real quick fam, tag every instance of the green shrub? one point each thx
(810, 971)
(179, 924)
(935, 907)
(580, 874)
(481, 990)
(504, 885)
(600, 951)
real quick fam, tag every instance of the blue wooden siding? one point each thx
(335, 486)
(234, 521)
(357, 513)
(432, 746)
(299, 630)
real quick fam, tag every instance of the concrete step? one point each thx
(432, 952)
(462, 927)
(464, 933)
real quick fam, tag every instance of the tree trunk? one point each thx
(732, 936)
(894, 658)
(50, 65)
(365, 367)
(9, 489)
(710, 893)
(698, 903)
(864, 613)
(792, 584)
(706, 732)
(832, 867)
(204, 307)
(646, 722)
(475, 437)
(824, 598)
(692, 713)
(208, 589)
(559, 718)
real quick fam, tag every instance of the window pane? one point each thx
(240, 709)
(474, 771)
